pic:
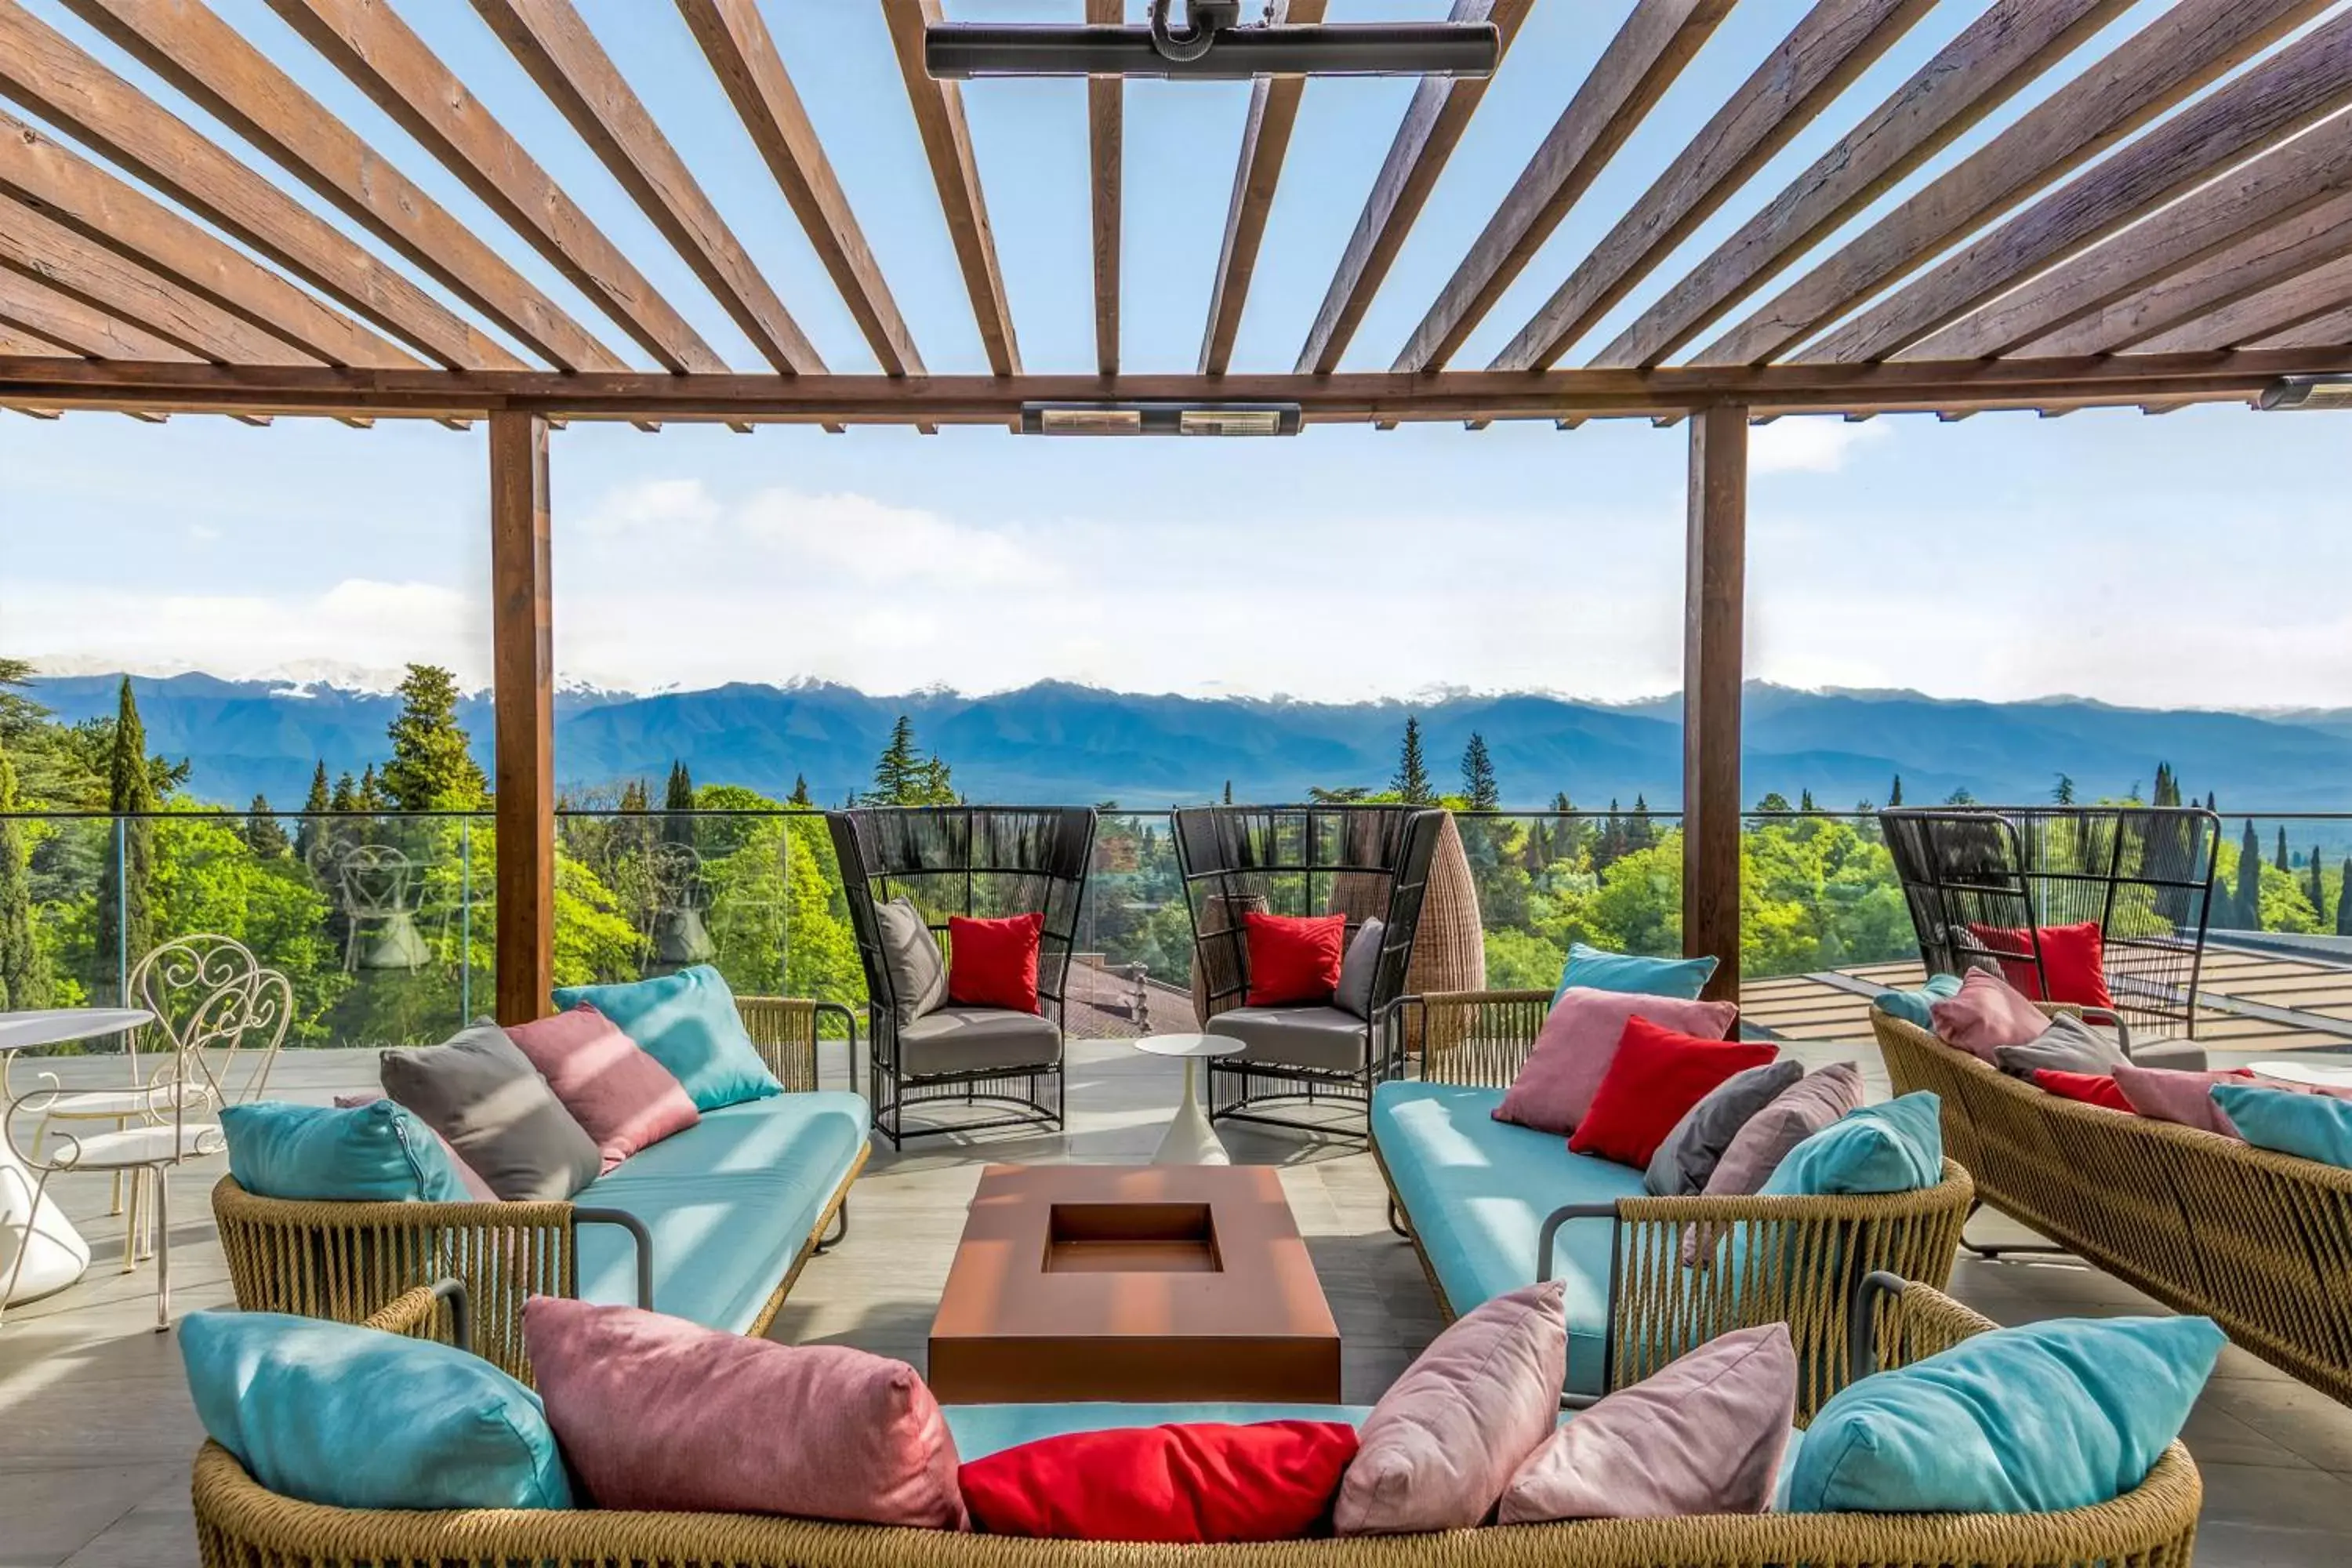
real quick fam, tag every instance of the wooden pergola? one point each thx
(2170, 224)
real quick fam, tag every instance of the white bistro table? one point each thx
(54, 1253)
(1191, 1141)
(2334, 1073)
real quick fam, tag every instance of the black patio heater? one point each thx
(1211, 45)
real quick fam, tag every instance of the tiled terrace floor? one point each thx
(96, 1430)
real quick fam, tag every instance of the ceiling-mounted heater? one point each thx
(1211, 45)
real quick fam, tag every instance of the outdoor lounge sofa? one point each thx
(239, 1523)
(2258, 1241)
(1490, 1207)
(711, 1224)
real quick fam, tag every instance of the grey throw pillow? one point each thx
(2068, 1044)
(1358, 969)
(1688, 1157)
(482, 1093)
(919, 976)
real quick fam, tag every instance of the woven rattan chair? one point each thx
(1300, 1063)
(239, 1525)
(997, 1068)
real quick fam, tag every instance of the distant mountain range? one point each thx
(1055, 742)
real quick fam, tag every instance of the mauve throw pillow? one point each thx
(1820, 1098)
(620, 1096)
(2169, 1094)
(1689, 1156)
(1704, 1433)
(1988, 1013)
(481, 1092)
(1578, 1039)
(1445, 1440)
(657, 1413)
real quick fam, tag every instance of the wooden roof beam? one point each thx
(1991, 59)
(370, 44)
(1835, 42)
(28, 305)
(2333, 327)
(2302, 83)
(48, 74)
(939, 120)
(1265, 143)
(2261, 317)
(1633, 72)
(1106, 154)
(2181, 52)
(15, 341)
(553, 45)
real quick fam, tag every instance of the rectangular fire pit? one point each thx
(1157, 1282)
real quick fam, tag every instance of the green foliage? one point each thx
(24, 968)
(2246, 909)
(1478, 783)
(432, 767)
(677, 805)
(126, 927)
(903, 776)
(2344, 900)
(1411, 785)
(264, 835)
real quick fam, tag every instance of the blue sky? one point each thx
(2192, 559)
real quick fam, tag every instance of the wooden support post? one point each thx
(1715, 572)
(523, 672)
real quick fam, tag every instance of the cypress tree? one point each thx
(2282, 862)
(677, 805)
(2065, 794)
(2168, 785)
(2344, 901)
(24, 973)
(2247, 915)
(264, 835)
(2209, 800)
(799, 799)
(432, 767)
(1411, 780)
(1229, 791)
(2319, 887)
(125, 922)
(1804, 800)
(314, 805)
(1894, 791)
(1478, 775)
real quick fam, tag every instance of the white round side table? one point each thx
(54, 1253)
(1189, 1140)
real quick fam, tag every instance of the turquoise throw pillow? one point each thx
(376, 1152)
(1630, 973)
(687, 1023)
(352, 1417)
(2312, 1126)
(1911, 1006)
(1897, 1147)
(2061, 1415)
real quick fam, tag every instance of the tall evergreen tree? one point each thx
(2319, 887)
(2344, 900)
(2065, 794)
(903, 776)
(264, 834)
(2209, 800)
(307, 837)
(1894, 791)
(1229, 791)
(24, 973)
(1478, 775)
(346, 797)
(432, 767)
(677, 805)
(371, 799)
(2247, 911)
(1412, 781)
(1804, 800)
(1641, 833)
(126, 928)
(2168, 787)
(2281, 860)
(799, 799)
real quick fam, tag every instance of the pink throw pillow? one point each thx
(1445, 1440)
(1556, 1084)
(613, 1086)
(2173, 1094)
(1702, 1434)
(657, 1413)
(476, 1188)
(1988, 1013)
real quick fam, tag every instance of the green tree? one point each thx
(2318, 887)
(24, 967)
(799, 799)
(1478, 783)
(1894, 791)
(307, 837)
(1641, 831)
(2168, 787)
(677, 805)
(2246, 910)
(2283, 862)
(432, 767)
(126, 928)
(2065, 794)
(903, 776)
(264, 834)
(370, 800)
(346, 797)
(2344, 900)
(1411, 785)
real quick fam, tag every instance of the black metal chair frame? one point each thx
(921, 851)
(1229, 855)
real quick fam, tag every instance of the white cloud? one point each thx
(1809, 443)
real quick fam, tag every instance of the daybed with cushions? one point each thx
(2260, 1241)
(712, 1224)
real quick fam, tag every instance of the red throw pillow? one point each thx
(1197, 1482)
(1294, 958)
(2073, 960)
(993, 963)
(1656, 1075)
(2090, 1087)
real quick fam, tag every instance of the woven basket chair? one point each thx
(241, 1525)
(2258, 1241)
(1805, 1256)
(348, 1260)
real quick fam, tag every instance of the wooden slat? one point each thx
(1433, 126)
(15, 341)
(2304, 82)
(2332, 327)
(370, 44)
(551, 42)
(106, 211)
(183, 42)
(939, 120)
(1633, 72)
(54, 78)
(2181, 51)
(1715, 593)
(743, 56)
(2284, 308)
(1986, 65)
(1835, 42)
(523, 701)
(1266, 141)
(1106, 154)
(34, 307)
(31, 412)
(50, 252)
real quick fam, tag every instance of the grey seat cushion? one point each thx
(977, 1040)
(1323, 1037)
(2181, 1055)
(1359, 969)
(482, 1093)
(919, 976)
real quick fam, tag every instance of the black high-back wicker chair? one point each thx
(1984, 883)
(976, 861)
(1364, 861)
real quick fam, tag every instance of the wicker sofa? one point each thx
(2261, 1242)
(712, 1225)
(1490, 1207)
(239, 1524)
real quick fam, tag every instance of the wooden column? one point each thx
(523, 670)
(1716, 570)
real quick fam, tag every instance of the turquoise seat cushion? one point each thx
(1897, 1147)
(687, 1023)
(2053, 1415)
(1913, 1006)
(1477, 1192)
(1627, 972)
(352, 1417)
(729, 1203)
(2311, 1126)
(376, 1152)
